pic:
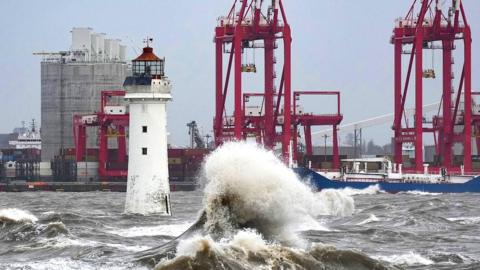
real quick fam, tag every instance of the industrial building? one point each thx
(72, 82)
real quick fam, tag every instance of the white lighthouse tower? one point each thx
(148, 91)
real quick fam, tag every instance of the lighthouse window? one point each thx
(144, 151)
(148, 67)
(144, 129)
(140, 69)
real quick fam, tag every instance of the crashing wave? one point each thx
(334, 202)
(249, 187)
(247, 250)
(253, 205)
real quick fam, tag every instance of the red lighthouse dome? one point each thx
(148, 64)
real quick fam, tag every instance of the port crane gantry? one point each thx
(244, 25)
(111, 121)
(434, 28)
(249, 26)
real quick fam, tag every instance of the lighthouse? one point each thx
(148, 91)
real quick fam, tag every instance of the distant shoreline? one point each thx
(24, 186)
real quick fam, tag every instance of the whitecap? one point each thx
(197, 243)
(370, 190)
(167, 230)
(311, 225)
(409, 259)
(65, 241)
(421, 193)
(466, 220)
(334, 203)
(72, 264)
(17, 215)
(370, 219)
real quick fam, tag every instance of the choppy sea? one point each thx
(262, 223)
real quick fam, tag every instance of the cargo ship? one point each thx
(389, 178)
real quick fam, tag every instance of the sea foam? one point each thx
(248, 186)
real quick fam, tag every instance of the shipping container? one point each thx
(196, 152)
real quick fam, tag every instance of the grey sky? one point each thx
(337, 44)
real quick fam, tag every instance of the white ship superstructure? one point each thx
(28, 139)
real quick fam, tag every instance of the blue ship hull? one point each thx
(320, 182)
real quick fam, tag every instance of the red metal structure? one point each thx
(434, 29)
(246, 24)
(307, 120)
(111, 121)
(254, 121)
(254, 117)
(476, 120)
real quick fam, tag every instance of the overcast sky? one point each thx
(337, 45)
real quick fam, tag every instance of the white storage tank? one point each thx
(115, 52)
(94, 46)
(101, 47)
(97, 47)
(81, 42)
(122, 53)
(108, 49)
(81, 38)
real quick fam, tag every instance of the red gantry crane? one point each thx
(112, 120)
(249, 26)
(428, 26)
